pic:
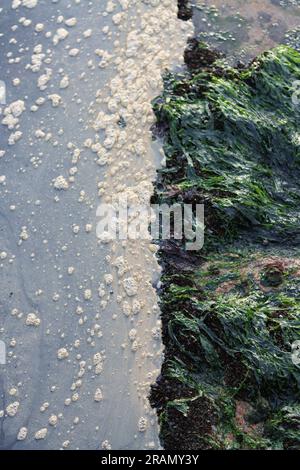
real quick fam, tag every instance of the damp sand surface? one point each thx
(78, 314)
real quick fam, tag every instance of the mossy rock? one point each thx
(231, 312)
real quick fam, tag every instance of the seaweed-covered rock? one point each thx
(185, 11)
(231, 312)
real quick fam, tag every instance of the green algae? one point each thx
(231, 312)
(238, 148)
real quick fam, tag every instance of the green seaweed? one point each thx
(231, 312)
(237, 147)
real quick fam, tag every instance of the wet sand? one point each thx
(79, 317)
